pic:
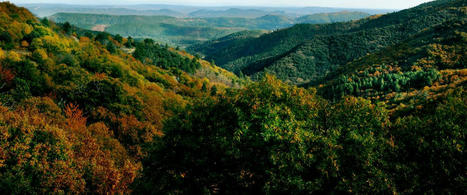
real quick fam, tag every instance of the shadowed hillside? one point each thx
(307, 53)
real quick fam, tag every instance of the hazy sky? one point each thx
(385, 4)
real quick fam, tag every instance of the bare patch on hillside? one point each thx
(99, 27)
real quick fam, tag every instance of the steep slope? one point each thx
(428, 63)
(226, 42)
(76, 110)
(273, 43)
(306, 53)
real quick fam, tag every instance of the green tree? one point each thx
(111, 47)
(118, 38)
(45, 21)
(213, 90)
(204, 88)
(67, 28)
(130, 42)
(430, 144)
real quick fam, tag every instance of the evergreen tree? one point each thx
(118, 38)
(204, 88)
(130, 42)
(67, 28)
(213, 90)
(111, 47)
(45, 21)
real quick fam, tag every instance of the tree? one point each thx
(118, 38)
(22, 89)
(430, 144)
(111, 47)
(248, 143)
(361, 140)
(102, 37)
(75, 118)
(148, 41)
(67, 28)
(204, 88)
(213, 90)
(89, 35)
(6, 40)
(45, 21)
(130, 42)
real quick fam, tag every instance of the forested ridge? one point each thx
(91, 112)
(306, 54)
(185, 31)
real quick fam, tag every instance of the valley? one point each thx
(172, 99)
(187, 31)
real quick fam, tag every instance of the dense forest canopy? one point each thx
(307, 53)
(91, 112)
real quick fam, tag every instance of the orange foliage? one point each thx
(100, 76)
(84, 39)
(99, 158)
(75, 119)
(24, 43)
(109, 173)
(53, 174)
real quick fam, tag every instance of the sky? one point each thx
(382, 4)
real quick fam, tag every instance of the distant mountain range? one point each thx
(232, 12)
(43, 10)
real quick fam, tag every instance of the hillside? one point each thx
(307, 53)
(85, 112)
(188, 31)
(226, 42)
(428, 63)
(44, 11)
(324, 18)
(231, 13)
(78, 109)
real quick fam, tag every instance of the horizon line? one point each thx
(211, 6)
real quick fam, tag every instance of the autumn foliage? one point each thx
(80, 115)
(74, 116)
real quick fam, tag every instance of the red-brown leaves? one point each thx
(6, 75)
(75, 119)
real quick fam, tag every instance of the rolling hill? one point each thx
(324, 18)
(231, 13)
(48, 9)
(188, 31)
